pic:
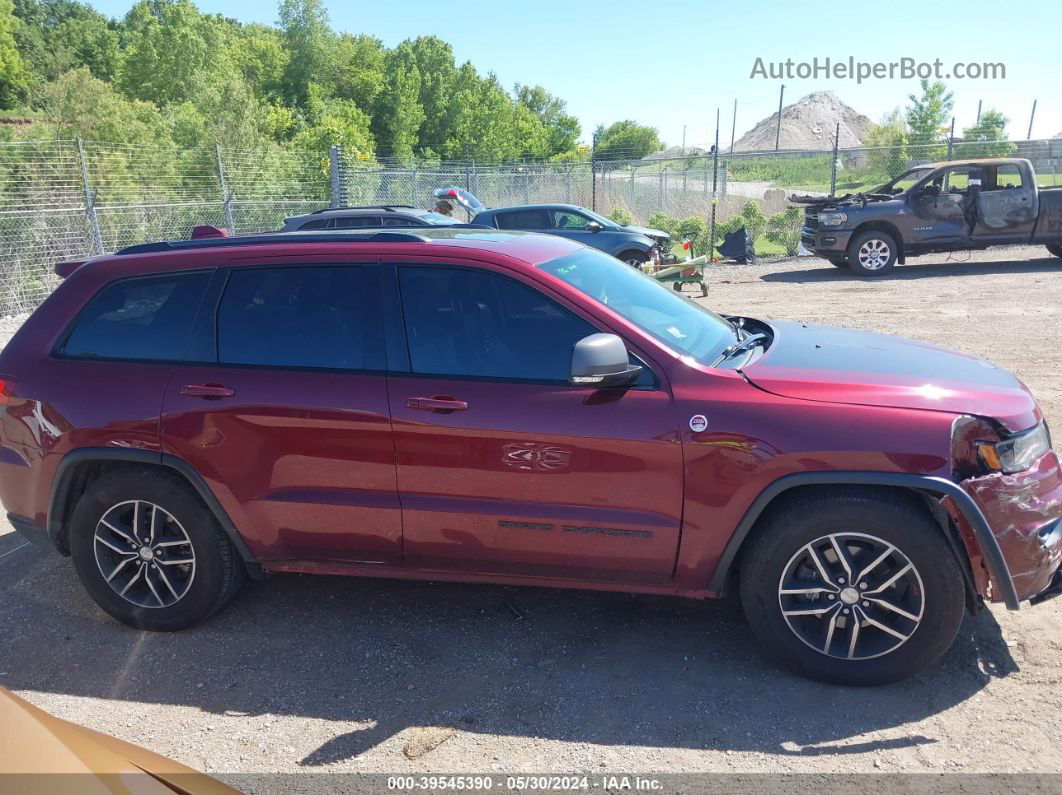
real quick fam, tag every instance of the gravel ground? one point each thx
(334, 675)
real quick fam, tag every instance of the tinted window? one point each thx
(320, 317)
(401, 220)
(565, 219)
(319, 223)
(356, 221)
(147, 318)
(524, 219)
(473, 323)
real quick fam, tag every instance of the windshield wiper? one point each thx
(743, 344)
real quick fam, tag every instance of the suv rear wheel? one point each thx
(872, 253)
(853, 588)
(150, 553)
(1056, 249)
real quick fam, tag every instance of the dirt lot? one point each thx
(334, 675)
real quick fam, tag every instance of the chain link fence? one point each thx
(62, 200)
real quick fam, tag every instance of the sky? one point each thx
(671, 64)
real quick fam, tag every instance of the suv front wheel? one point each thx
(149, 551)
(852, 587)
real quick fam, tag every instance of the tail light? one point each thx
(7, 389)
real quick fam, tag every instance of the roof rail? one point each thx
(352, 236)
(388, 207)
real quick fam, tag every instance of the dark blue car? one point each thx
(634, 245)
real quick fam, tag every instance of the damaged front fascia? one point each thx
(1018, 507)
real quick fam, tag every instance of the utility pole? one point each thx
(778, 130)
(979, 102)
(1032, 117)
(733, 126)
(683, 140)
(715, 187)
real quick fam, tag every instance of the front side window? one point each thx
(478, 324)
(147, 318)
(314, 317)
(681, 324)
(565, 219)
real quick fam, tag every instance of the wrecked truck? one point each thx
(952, 206)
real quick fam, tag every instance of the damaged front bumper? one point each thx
(1024, 512)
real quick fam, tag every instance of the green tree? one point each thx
(562, 129)
(359, 69)
(78, 105)
(173, 52)
(439, 78)
(784, 229)
(399, 113)
(310, 43)
(14, 77)
(927, 116)
(58, 35)
(626, 140)
(987, 138)
(336, 122)
(665, 223)
(257, 53)
(889, 140)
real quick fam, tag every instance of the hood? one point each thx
(656, 234)
(66, 757)
(837, 365)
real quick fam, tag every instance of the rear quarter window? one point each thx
(148, 318)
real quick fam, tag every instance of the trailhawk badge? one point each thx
(698, 422)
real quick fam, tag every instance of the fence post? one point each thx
(715, 186)
(226, 197)
(90, 201)
(335, 176)
(413, 186)
(833, 168)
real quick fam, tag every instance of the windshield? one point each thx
(679, 323)
(438, 219)
(905, 181)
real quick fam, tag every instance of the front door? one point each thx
(942, 207)
(502, 466)
(285, 414)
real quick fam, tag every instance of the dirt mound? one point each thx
(808, 123)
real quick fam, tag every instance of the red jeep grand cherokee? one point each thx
(516, 408)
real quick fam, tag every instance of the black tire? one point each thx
(634, 258)
(199, 589)
(872, 253)
(838, 262)
(788, 531)
(676, 286)
(1055, 248)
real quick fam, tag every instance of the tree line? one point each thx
(166, 73)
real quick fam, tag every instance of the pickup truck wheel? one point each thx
(872, 253)
(149, 551)
(852, 588)
(1055, 248)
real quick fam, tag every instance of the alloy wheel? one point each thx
(874, 254)
(851, 596)
(144, 554)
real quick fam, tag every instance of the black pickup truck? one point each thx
(952, 206)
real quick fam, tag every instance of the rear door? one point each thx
(283, 409)
(502, 466)
(1007, 206)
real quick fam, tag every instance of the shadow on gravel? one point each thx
(564, 665)
(818, 270)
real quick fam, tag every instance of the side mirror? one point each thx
(601, 361)
(594, 226)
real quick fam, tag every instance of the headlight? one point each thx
(833, 219)
(1016, 453)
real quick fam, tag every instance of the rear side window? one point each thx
(319, 223)
(524, 219)
(356, 221)
(313, 317)
(147, 318)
